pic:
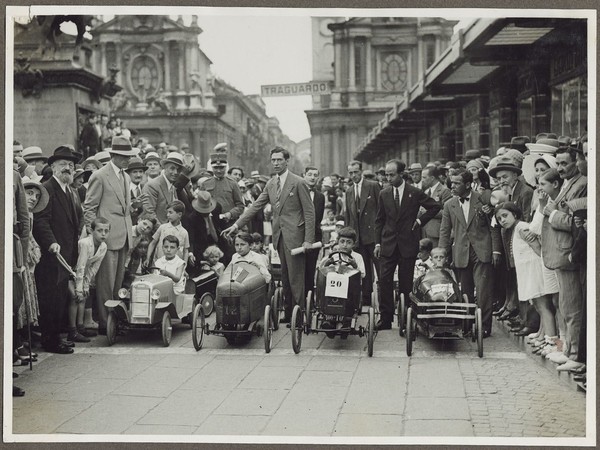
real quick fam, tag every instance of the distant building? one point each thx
(375, 62)
(170, 93)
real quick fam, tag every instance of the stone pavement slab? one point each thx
(438, 428)
(112, 415)
(185, 407)
(252, 402)
(122, 367)
(86, 389)
(189, 361)
(445, 381)
(317, 379)
(156, 382)
(233, 425)
(145, 430)
(436, 408)
(333, 363)
(221, 374)
(46, 417)
(270, 379)
(368, 425)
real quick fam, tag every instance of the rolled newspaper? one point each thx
(297, 251)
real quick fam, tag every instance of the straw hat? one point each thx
(204, 203)
(44, 196)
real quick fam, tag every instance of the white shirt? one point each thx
(63, 186)
(357, 188)
(465, 207)
(133, 187)
(432, 189)
(400, 190)
(283, 177)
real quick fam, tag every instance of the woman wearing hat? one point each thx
(481, 179)
(37, 199)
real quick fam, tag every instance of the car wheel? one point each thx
(268, 334)
(166, 328)
(274, 312)
(111, 327)
(370, 331)
(198, 326)
(401, 318)
(296, 328)
(479, 327)
(409, 331)
(309, 302)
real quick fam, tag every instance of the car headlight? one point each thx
(123, 293)
(155, 294)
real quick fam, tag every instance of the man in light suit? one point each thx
(161, 191)
(361, 209)
(440, 193)
(293, 225)
(311, 176)
(560, 219)
(109, 196)
(397, 235)
(473, 251)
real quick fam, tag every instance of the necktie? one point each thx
(397, 196)
(173, 193)
(138, 192)
(124, 181)
(277, 197)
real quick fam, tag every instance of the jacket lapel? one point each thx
(116, 184)
(457, 208)
(564, 193)
(164, 189)
(363, 196)
(403, 202)
(285, 190)
(62, 199)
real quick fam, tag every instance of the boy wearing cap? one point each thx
(108, 196)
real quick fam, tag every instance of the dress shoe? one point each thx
(60, 349)
(508, 314)
(78, 337)
(570, 365)
(68, 343)
(18, 392)
(87, 333)
(499, 312)
(15, 375)
(557, 357)
(383, 325)
(523, 331)
(579, 370)
(580, 378)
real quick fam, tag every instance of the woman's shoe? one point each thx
(23, 352)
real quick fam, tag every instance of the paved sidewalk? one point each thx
(332, 388)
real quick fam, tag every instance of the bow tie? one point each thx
(462, 200)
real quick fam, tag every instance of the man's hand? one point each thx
(192, 259)
(496, 259)
(543, 198)
(487, 209)
(229, 232)
(80, 296)
(226, 216)
(54, 248)
(307, 246)
(377, 251)
(550, 206)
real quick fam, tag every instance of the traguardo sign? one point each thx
(283, 90)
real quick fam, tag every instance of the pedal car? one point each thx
(205, 284)
(241, 302)
(437, 310)
(148, 302)
(336, 306)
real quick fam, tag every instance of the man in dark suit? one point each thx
(440, 193)
(474, 249)
(397, 235)
(162, 191)
(311, 175)
(361, 209)
(293, 225)
(136, 170)
(90, 140)
(56, 229)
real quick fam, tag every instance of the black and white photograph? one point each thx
(300, 226)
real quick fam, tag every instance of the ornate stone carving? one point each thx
(160, 101)
(108, 87)
(31, 81)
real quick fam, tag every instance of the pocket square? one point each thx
(291, 194)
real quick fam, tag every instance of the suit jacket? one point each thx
(476, 231)
(558, 229)
(393, 225)
(363, 219)
(441, 194)
(137, 207)
(105, 198)
(295, 217)
(159, 197)
(319, 204)
(59, 222)
(521, 196)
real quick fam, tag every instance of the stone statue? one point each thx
(119, 101)
(195, 81)
(160, 101)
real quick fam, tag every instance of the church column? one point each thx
(167, 71)
(369, 77)
(351, 64)
(181, 93)
(338, 63)
(120, 64)
(420, 62)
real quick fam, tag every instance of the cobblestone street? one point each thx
(444, 389)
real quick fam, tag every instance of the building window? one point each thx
(359, 46)
(569, 107)
(222, 109)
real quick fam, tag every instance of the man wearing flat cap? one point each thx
(109, 196)
(56, 229)
(162, 191)
(226, 192)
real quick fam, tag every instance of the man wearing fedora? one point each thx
(293, 225)
(152, 164)
(161, 191)
(56, 229)
(415, 174)
(135, 170)
(35, 158)
(109, 196)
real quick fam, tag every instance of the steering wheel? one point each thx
(341, 257)
(153, 269)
